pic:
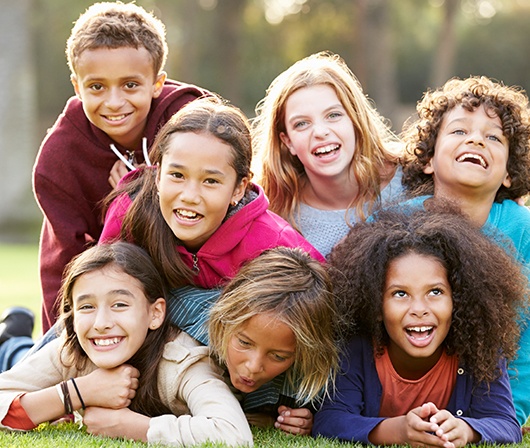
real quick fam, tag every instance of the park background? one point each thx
(397, 48)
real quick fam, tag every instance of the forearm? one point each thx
(389, 431)
(44, 405)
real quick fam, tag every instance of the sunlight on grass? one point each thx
(19, 279)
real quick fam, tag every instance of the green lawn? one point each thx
(19, 285)
(19, 279)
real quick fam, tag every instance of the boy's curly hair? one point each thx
(488, 286)
(117, 25)
(510, 104)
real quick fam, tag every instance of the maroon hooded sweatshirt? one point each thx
(70, 178)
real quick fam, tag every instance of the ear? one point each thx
(157, 311)
(73, 80)
(159, 84)
(507, 181)
(239, 191)
(428, 169)
(287, 142)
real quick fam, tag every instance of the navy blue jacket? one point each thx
(353, 410)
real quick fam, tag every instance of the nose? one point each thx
(190, 193)
(321, 130)
(103, 320)
(254, 363)
(475, 138)
(419, 307)
(114, 98)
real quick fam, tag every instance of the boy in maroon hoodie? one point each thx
(116, 53)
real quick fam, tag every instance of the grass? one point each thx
(19, 285)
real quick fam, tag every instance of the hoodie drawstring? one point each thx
(129, 163)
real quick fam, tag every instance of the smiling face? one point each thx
(417, 310)
(319, 132)
(470, 155)
(196, 185)
(112, 315)
(116, 87)
(262, 349)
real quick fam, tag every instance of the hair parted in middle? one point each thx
(144, 223)
(133, 261)
(294, 287)
(488, 286)
(281, 174)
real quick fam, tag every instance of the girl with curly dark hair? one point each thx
(430, 304)
(470, 143)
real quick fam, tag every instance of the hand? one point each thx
(419, 431)
(294, 421)
(109, 388)
(116, 423)
(454, 431)
(117, 172)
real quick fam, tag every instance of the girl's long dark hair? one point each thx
(132, 260)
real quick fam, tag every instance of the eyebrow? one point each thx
(327, 109)
(465, 120)
(205, 171)
(114, 292)
(287, 352)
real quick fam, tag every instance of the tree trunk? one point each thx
(18, 122)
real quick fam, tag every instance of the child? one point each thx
(197, 214)
(277, 317)
(470, 144)
(116, 53)
(432, 305)
(134, 375)
(328, 157)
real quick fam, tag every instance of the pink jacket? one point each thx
(240, 238)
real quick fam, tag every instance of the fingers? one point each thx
(294, 421)
(117, 171)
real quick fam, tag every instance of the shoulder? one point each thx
(184, 349)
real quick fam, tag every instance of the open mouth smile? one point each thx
(473, 158)
(325, 150)
(188, 215)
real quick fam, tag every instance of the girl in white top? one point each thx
(120, 362)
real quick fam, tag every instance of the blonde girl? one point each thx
(273, 328)
(325, 157)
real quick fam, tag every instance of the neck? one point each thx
(476, 207)
(330, 193)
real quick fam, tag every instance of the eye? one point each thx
(458, 132)
(299, 124)
(243, 343)
(176, 175)
(131, 85)
(120, 305)
(211, 181)
(96, 87)
(85, 307)
(436, 292)
(278, 358)
(495, 138)
(400, 294)
(333, 115)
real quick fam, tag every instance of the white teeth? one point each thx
(463, 157)
(187, 214)
(326, 149)
(419, 329)
(106, 342)
(116, 118)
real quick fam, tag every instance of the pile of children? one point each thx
(333, 310)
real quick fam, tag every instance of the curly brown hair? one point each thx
(488, 286)
(420, 132)
(117, 25)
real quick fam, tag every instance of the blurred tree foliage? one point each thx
(236, 47)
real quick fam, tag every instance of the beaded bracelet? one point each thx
(78, 394)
